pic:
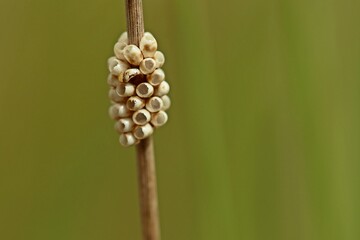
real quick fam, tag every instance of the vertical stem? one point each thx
(145, 149)
(135, 21)
(148, 190)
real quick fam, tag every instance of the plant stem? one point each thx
(148, 190)
(145, 149)
(135, 21)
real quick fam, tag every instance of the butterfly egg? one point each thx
(117, 67)
(119, 50)
(144, 90)
(148, 45)
(125, 89)
(114, 96)
(113, 62)
(135, 103)
(166, 102)
(123, 38)
(156, 77)
(141, 117)
(113, 112)
(148, 65)
(159, 119)
(141, 132)
(112, 81)
(159, 59)
(154, 104)
(119, 70)
(124, 125)
(127, 139)
(162, 89)
(133, 55)
(131, 73)
(119, 110)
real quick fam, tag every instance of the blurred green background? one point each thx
(263, 140)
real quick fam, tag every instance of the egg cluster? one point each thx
(138, 90)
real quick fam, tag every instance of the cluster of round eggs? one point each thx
(138, 90)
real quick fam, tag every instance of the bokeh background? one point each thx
(263, 140)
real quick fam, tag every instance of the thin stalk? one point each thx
(145, 149)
